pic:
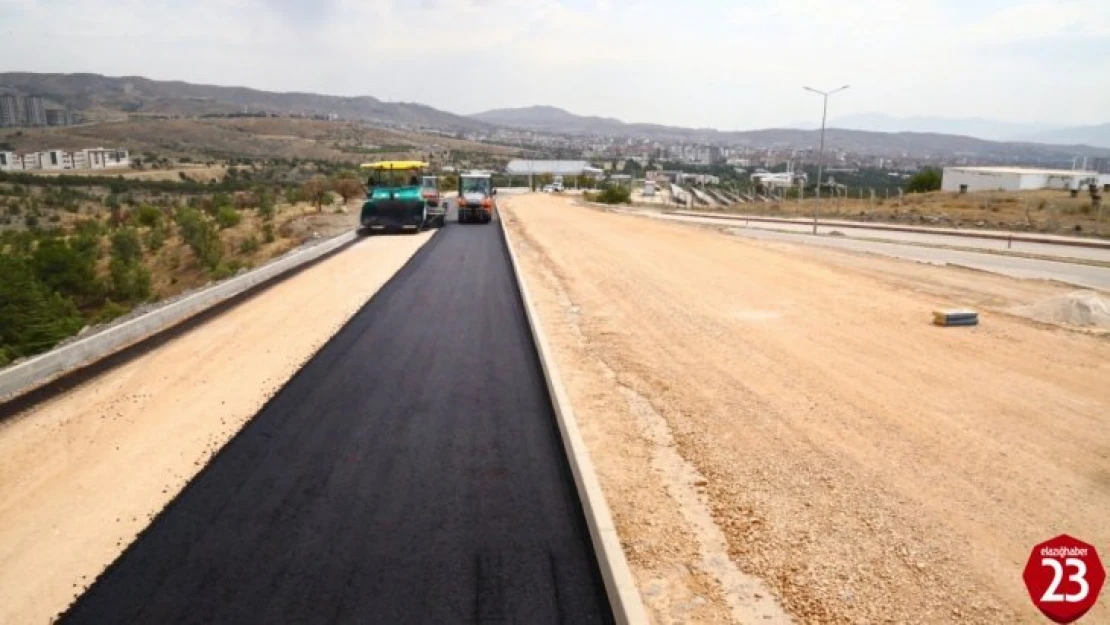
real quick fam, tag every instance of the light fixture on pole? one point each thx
(821, 152)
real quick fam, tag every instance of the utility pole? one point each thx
(821, 151)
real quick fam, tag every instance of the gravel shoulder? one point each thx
(855, 463)
(82, 474)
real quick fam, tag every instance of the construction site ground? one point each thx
(85, 472)
(782, 434)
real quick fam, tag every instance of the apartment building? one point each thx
(10, 113)
(91, 158)
(34, 111)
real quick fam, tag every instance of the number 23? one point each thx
(1080, 577)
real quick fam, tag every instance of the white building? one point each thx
(970, 179)
(91, 158)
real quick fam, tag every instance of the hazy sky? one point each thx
(727, 64)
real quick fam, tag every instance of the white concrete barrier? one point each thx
(30, 374)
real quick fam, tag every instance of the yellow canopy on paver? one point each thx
(395, 165)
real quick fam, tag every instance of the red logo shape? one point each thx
(1064, 577)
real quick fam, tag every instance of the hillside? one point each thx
(100, 96)
(547, 118)
(978, 127)
(861, 141)
(267, 138)
(1094, 135)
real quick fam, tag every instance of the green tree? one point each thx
(147, 215)
(33, 318)
(347, 186)
(926, 180)
(292, 196)
(266, 205)
(314, 191)
(201, 237)
(228, 217)
(126, 246)
(130, 278)
(131, 282)
(69, 269)
(155, 238)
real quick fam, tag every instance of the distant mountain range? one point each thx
(978, 127)
(878, 142)
(1098, 135)
(101, 97)
(93, 93)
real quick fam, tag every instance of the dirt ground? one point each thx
(83, 473)
(781, 429)
(200, 173)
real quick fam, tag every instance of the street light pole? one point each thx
(821, 151)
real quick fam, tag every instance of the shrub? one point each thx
(226, 270)
(130, 281)
(246, 199)
(347, 187)
(612, 194)
(318, 191)
(248, 245)
(268, 233)
(31, 221)
(266, 205)
(33, 318)
(126, 246)
(228, 217)
(110, 311)
(155, 238)
(200, 235)
(69, 268)
(147, 215)
(926, 180)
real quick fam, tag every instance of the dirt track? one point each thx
(82, 474)
(794, 408)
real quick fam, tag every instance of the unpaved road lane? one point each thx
(83, 473)
(866, 465)
(412, 472)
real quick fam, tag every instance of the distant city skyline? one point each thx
(725, 65)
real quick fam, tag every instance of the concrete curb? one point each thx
(28, 375)
(620, 585)
(971, 234)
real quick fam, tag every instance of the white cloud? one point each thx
(702, 62)
(1045, 19)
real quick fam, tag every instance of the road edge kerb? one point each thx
(40, 370)
(971, 234)
(620, 585)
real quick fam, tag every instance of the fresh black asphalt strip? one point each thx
(412, 472)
